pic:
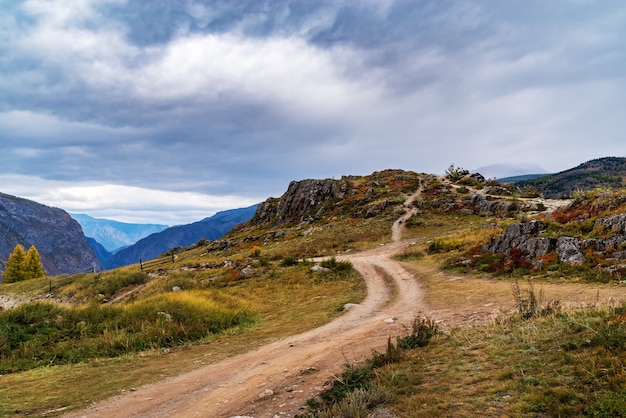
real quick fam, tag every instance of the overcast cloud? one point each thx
(167, 111)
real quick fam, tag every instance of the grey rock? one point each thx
(478, 177)
(614, 223)
(523, 236)
(620, 255)
(569, 251)
(266, 393)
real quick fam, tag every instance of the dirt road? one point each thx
(277, 379)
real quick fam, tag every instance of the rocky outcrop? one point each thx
(484, 205)
(525, 237)
(570, 250)
(615, 224)
(59, 239)
(308, 201)
(303, 200)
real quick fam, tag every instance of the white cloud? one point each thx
(234, 98)
(122, 203)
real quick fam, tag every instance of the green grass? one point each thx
(556, 362)
(44, 333)
(153, 334)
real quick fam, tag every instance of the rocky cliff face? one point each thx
(308, 201)
(59, 238)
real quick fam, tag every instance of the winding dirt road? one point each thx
(277, 379)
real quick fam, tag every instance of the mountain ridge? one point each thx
(155, 244)
(607, 172)
(59, 238)
(115, 235)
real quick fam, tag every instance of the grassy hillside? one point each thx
(161, 318)
(520, 340)
(498, 338)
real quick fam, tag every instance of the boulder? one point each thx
(569, 251)
(523, 236)
(477, 177)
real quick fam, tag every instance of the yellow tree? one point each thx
(32, 264)
(14, 267)
(22, 265)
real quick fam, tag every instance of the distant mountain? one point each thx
(181, 235)
(103, 255)
(59, 239)
(114, 235)
(515, 179)
(499, 171)
(601, 172)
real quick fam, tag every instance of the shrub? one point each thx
(443, 246)
(516, 259)
(422, 330)
(526, 304)
(352, 378)
(456, 173)
(289, 260)
(333, 264)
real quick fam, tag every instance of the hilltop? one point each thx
(608, 172)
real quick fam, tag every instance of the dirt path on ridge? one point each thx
(278, 378)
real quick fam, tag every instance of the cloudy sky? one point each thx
(168, 111)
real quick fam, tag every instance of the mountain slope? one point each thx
(602, 172)
(59, 238)
(103, 255)
(181, 235)
(114, 235)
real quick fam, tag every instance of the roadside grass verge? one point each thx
(561, 364)
(569, 364)
(355, 392)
